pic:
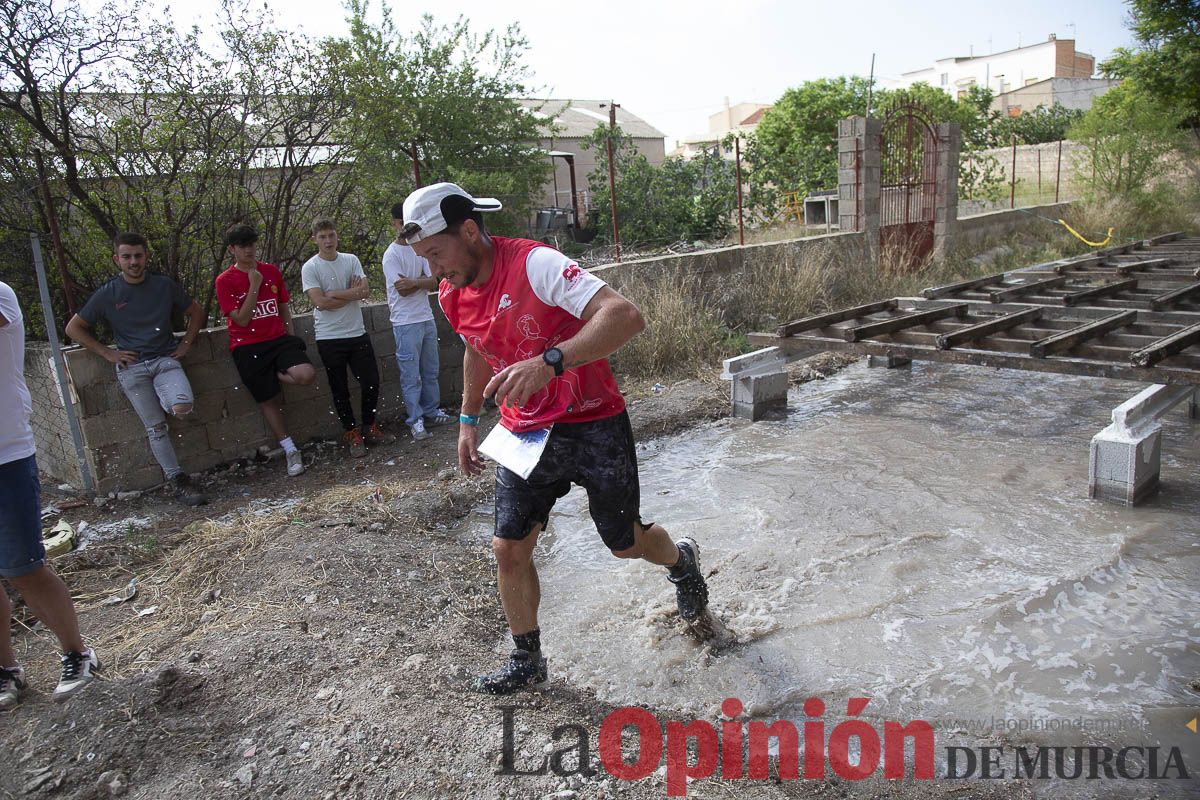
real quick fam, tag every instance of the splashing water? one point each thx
(921, 537)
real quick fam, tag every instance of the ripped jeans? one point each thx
(154, 387)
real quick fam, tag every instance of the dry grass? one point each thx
(683, 335)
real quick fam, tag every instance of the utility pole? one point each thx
(612, 177)
(870, 86)
(737, 154)
(416, 164)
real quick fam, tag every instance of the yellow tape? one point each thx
(1107, 239)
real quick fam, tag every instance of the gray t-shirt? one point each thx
(328, 276)
(138, 313)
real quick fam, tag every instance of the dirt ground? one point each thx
(314, 637)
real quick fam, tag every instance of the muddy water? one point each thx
(920, 537)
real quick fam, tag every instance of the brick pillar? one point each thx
(945, 215)
(858, 176)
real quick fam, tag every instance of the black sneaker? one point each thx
(523, 669)
(12, 683)
(691, 592)
(186, 491)
(78, 670)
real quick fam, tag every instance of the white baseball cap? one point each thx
(431, 209)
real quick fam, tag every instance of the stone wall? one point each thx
(225, 423)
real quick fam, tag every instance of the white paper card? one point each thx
(519, 452)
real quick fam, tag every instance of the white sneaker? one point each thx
(78, 670)
(12, 683)
(418, 431)
(295, 462)
(439, 418)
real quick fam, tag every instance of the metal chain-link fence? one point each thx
(60, 454)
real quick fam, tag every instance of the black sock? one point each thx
(680, 563)
(530, 642)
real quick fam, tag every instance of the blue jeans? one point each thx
(21, 550)
(417, 356)
(155, 387)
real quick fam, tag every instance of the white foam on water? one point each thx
(921, 537)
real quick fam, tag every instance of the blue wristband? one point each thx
(468, 419)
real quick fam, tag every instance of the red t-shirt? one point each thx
(532, 302)
(232, 286)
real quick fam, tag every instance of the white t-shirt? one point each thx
(330, 276)
(399, 260)
(16, 436)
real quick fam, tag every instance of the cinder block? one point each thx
(115, 427)
(116, 459)
(188, 437)
(142, 478)
(319, 388)
(1123, 470)
(211, 375)
(382, 342)
(218, 341)
(237, 431)
(200, 351)
(86, 368)
(100, 398)
(304, 326)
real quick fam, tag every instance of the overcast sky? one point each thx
(673, 62)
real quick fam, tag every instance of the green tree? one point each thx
(445, 99)
(1166, 66)
(794, 147)
(1038, 126)
(657, 205)
(1127, 134)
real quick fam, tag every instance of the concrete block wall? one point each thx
(225, 423)
(972, 230)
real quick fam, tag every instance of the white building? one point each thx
(1008, 70)
(741, 118)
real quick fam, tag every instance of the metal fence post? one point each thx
(737, 150)
(1058, 173)
(85, 474)
(1012, 178)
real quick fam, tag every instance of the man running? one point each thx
(538, 331)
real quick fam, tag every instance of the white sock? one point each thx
(288, 445)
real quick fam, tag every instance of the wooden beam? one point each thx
(1126, 267)
(984, 329)
(1166, 237)
(825, 320)
(1004, 295)
(1171, 298)
(1106, 290)
(1078, 263)
(1164, 348)
(1092, 330)
(857, 334)
(934, 292)
(1067, 365)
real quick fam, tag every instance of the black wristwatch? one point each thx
(554, 358)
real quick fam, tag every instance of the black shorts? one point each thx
(259, 364)
(597, 455)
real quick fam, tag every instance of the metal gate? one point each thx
(908, 185)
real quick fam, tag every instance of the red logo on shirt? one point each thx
(572, 273)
